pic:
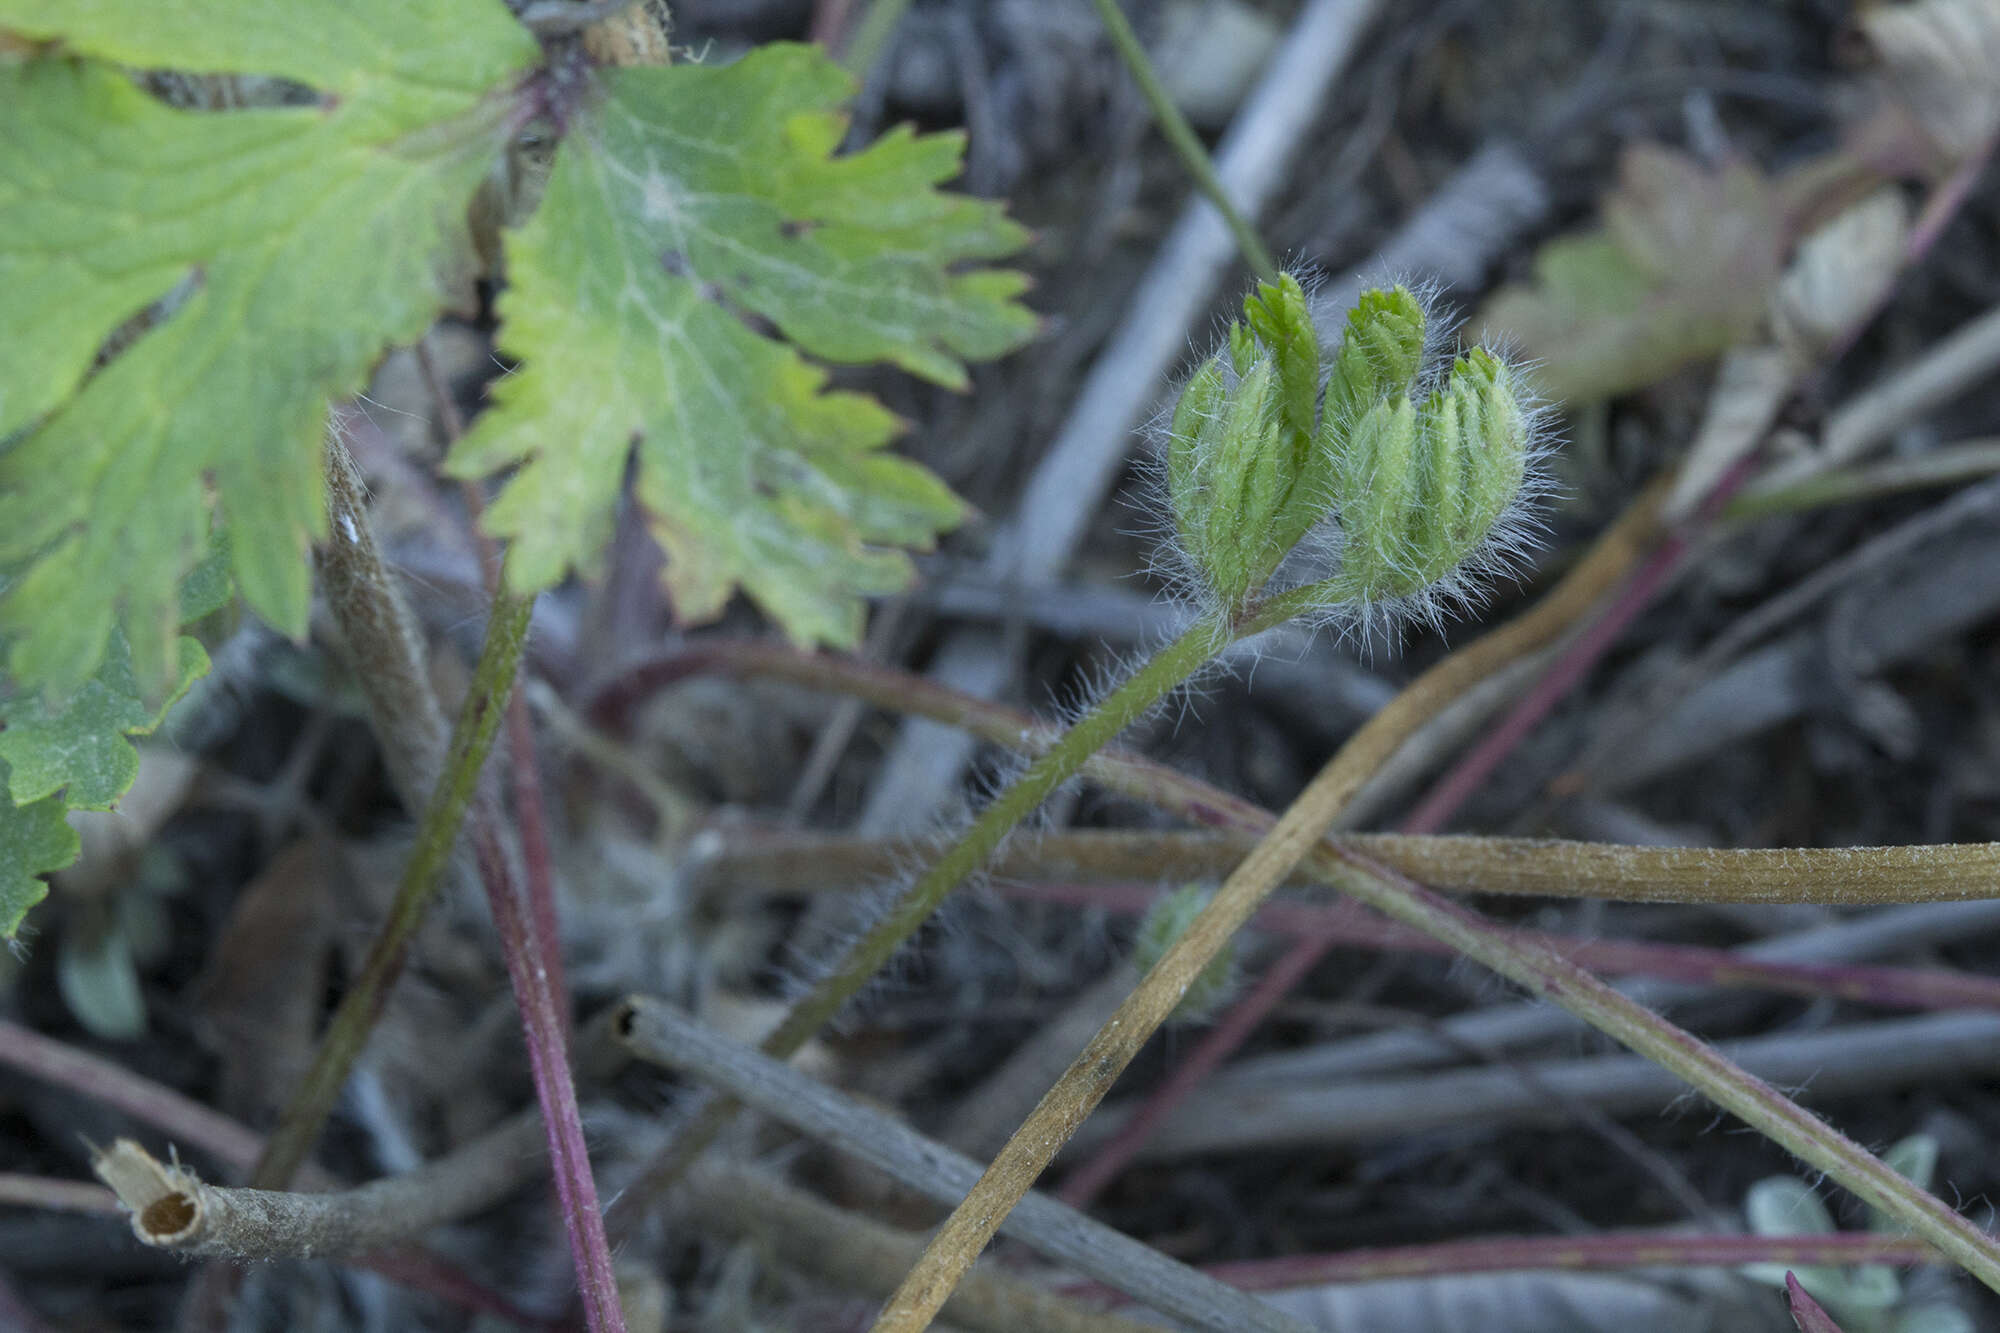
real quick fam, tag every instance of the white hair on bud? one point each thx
(1513, 536)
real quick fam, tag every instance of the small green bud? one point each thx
(1480, 433)
(1197, 417)
(1260, 453)
(1246, 475)
(1381, 354)
(1164, 923)
(1420, 490)
(1379, 491)
(1277, 314)
(1238, 451)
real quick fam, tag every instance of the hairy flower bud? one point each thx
(1419, 490)
(1275, 435)
(1380, 356)
(1242, 472)
(1278, 316)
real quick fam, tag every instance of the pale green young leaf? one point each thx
(75, 756)
(1682, 268)
(78, 748)
(298, 242)
(688, 204)
(35, 840)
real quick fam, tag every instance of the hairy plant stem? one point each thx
(1299, 833)
(1013, 1172)
(437, 835)
(1055, 766)
(1062, 759)
(531, 943)
(383, 645)
(1182, 138)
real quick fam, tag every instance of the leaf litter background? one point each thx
(1683, 153)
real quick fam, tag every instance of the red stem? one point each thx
(1806, 1311)
(538, 868)
(545, 1028)
(532, 946)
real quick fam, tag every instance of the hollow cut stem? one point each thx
(173, 1209)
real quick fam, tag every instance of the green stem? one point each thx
(1062, 760)
(1055, 766)
(471, 739)
(871, 36)
(1181, 136)
(1533, 964)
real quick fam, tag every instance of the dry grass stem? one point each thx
(655, 1032)
(1543, 867)
(860, 1254)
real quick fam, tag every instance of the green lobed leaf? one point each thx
(687, 204)
(1682, 268)
(35, 840)
(75, 753)
(79, 747)
(391, 54)
(304, 240)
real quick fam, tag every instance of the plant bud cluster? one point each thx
(1417, 476)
